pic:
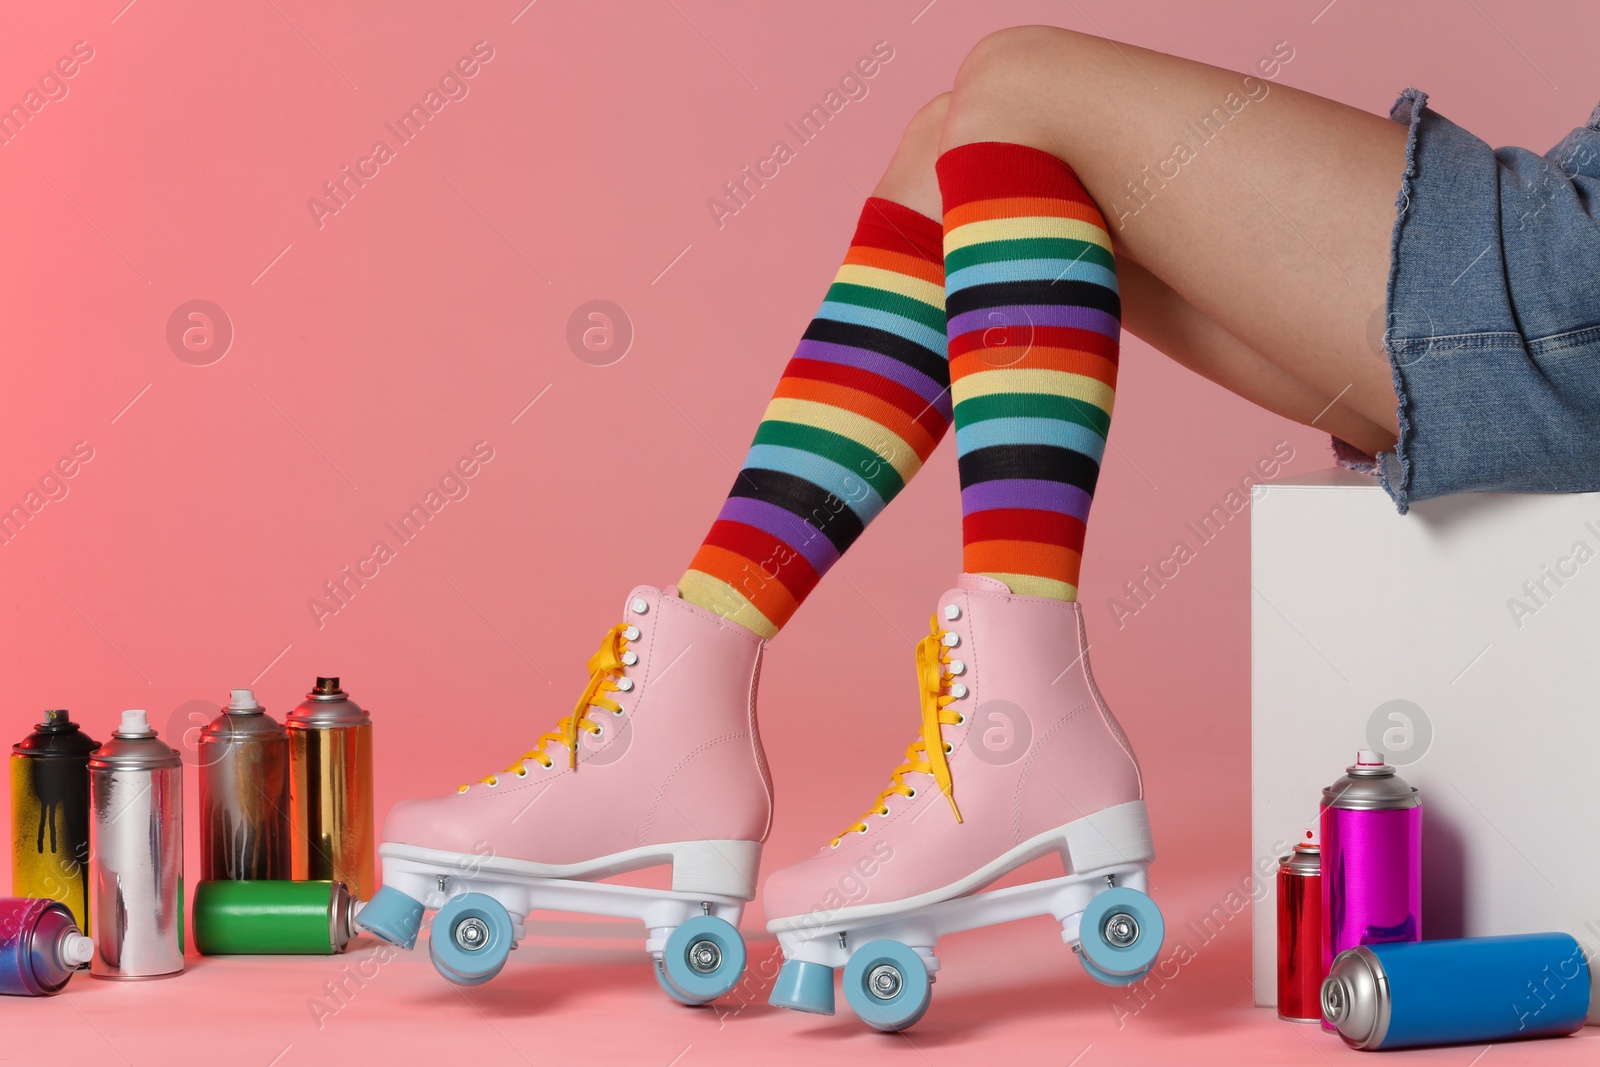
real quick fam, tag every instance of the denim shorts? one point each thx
(1493, 327)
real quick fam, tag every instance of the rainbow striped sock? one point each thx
(1034, 326)
(859, 409)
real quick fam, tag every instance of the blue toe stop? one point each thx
(803, 986)
(392, 916)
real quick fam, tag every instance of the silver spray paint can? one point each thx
(136, 790)
(244, 794)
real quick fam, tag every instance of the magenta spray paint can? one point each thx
(1371, 830)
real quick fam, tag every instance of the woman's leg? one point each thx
(859, 408)
(1267, 209)
(1153, 311)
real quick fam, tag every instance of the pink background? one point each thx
(372, 352)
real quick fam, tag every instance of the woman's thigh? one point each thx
(1269, 209)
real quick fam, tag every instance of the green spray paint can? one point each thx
(273, 918)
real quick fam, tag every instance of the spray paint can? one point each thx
(244, 793)
(136, 781)
(273, 918)
(40, 947)
(1371, 830)
(1473, 989)
(330, 790)
(50, 814)
(1301, 932)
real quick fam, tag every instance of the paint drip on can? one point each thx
(50, 814)
(244, 793)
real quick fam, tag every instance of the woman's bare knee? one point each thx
(910, 179)
(1000, 88)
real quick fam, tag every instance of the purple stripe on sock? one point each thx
(1035, 493)
(786, 526)
(1067, 315)
(881, 365)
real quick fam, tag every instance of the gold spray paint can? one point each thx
(332, 832)
(50, 815)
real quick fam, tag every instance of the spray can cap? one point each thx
(1370, 784)
(243, 701)
(57, 735)
(327, 706)
(76, 949)
(135, 723)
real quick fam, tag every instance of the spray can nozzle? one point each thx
(243, 700)
(135, 723)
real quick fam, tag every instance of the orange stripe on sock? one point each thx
(767, 595)
(899, 262)
(1022, 557)
(867, 406)
(1022, 207)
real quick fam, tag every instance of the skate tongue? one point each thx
(982, 582)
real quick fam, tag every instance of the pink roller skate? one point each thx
(1019, 757)
(659, 763)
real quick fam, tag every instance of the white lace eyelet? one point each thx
(957, 667)
(522, 772)
(951, 639)
(863, 830)
(625, 685)
(961, 720)
(886, 812)
(620, 711)
(492, 782)
(948, 748)
(630, 658)
(952, 612)
(912, 795)
(631, 633)
(958, 690)
(640, 605)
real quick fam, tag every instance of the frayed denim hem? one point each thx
(1394, 468)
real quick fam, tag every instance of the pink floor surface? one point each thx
(580, 992)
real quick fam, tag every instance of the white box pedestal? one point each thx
(1464, 640)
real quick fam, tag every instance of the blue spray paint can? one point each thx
(40, 946)
(1465, 990)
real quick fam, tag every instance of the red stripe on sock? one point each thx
(995, 170)
(1022, 524)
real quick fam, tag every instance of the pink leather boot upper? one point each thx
(1034, 748)
(680, 761)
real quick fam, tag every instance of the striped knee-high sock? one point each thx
(1034, 326)
(859, 408)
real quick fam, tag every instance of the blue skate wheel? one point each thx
(887, 985)
(803, 986)
(704, 959)
(1109, 979)
(471, 936)
(672, 991)
(1120, 932)
(392, 916)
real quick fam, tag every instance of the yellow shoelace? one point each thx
(926, 755)
(605, 667)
